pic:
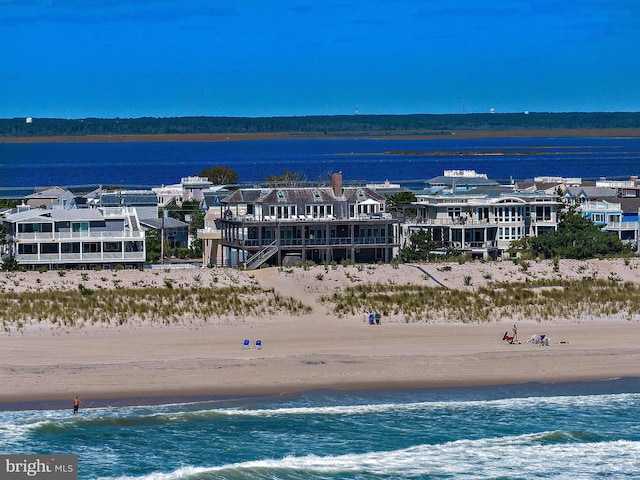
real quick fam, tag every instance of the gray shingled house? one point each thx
(281, 226)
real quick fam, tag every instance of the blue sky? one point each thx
(134, 58)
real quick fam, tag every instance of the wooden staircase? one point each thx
(257, 259)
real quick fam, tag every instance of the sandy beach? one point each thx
(204, 357)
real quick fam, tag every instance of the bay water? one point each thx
(147, 164)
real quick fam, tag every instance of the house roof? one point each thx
(76, 214)
(51, 192)
(302, 195)
(629, 204)
(111, 199)
(537, 186)
(211, 198)
(25, 215)
(591, 192)
(57, 215)
(169, 222)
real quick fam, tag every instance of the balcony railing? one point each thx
(310, 218)
(620, 226)
(293, 242)
(106, 257)
(64, 236)
(456, 221)
(468, 245)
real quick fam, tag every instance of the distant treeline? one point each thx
(330, 124)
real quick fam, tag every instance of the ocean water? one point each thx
(548, 431)
(23, 166)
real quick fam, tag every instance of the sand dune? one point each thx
(204, 356)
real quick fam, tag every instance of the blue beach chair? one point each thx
(246, 343)
(259, 344)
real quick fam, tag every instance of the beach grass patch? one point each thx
(541, 299)
(157, 305)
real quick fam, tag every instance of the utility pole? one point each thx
(164, 213)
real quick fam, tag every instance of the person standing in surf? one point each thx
(76, 404)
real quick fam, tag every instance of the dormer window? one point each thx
(317, 194)
(280, 194)
(360, 193)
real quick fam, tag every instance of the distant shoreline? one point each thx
(424, 135)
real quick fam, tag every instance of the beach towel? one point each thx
(507, 338)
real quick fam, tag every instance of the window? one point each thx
(80, 228)
(510, 233)
(93, 247)
(510, 214)
(133, 246)
(319, 211)
(113, 247)
(454, 212)
(35, 227)
(27, 248)
(284, 211)
(49, 248)
(543, 213)
(70, 247)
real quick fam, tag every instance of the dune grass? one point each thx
(537, 300)
(165, 305)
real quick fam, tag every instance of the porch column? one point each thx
(352, 239)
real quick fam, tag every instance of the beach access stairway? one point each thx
(262, 256)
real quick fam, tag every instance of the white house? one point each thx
(82, 238)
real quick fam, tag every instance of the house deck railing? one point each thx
(64, 236)
(80, 257)
(309, 218)
(622, 226)
(293, 242)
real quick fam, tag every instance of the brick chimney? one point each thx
(336, 184)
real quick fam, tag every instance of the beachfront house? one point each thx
(615, 215)
(481, 221)
(76, 238)
(601, 212)
(282, 226)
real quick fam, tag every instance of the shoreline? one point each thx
(399, 135)
(194, 397)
